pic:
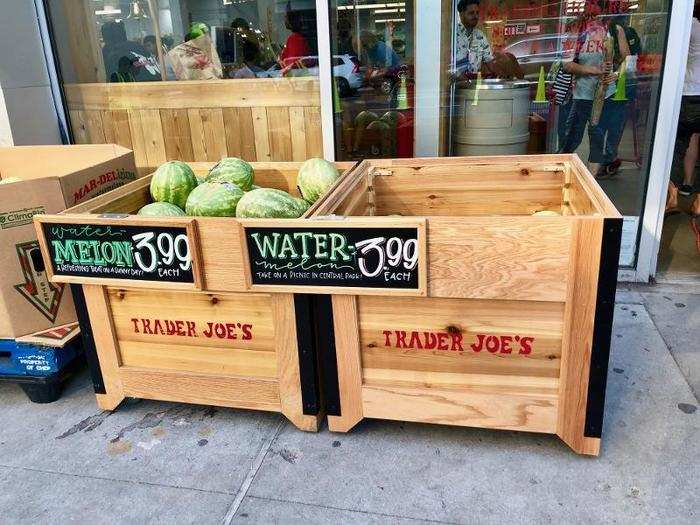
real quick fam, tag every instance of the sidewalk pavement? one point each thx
(153, 462)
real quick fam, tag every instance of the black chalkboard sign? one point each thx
(114, 251)
(337, 256)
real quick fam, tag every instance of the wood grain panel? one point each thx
(203, 389)
(314, 137)
(278, 129)
(197, 308)
(460, 321)
(520, 258)
(262, 138)
(536, 412)
(176, 134)
(138, 141)
(80, 134)
(268, 92)
(298, 133)
(93, 126)
(152, 130)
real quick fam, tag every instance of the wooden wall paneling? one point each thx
(153, 135)
(314, 137)
(138, 141)
(176, 134)
(94, 127)
(297, 127)
(80, 134)
(121, 132)
(108, 127)
(240, 136)
(214, 133)
(280, 134)
(262, 138)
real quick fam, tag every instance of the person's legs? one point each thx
(596, 138)
(613, 122)
(562, 122)
(689, 161)
(576, 125)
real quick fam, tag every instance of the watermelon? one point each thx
(269, 202)
(160, 209)
(172, 182)
(255, 187)
(393, 118)
(315, 178)
(363, 119)
(10, 180)
(214, 199)
(233, 170)
(379, 125)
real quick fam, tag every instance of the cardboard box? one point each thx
(53, 179)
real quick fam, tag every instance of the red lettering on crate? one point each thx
(452, 341)
(180, 328)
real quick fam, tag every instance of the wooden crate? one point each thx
(514, 331)
(206, 342)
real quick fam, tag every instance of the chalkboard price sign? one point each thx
(114, 251)
(342, 256)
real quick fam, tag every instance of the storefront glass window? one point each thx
(505, 77)
(191, 80)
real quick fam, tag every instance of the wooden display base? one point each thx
(515, 330)
(207, 342)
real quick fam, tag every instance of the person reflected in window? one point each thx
(118, 51)
(247, 67)
(473, 49)
(296, 45)
(591, 70)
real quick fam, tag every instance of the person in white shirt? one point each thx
(473, 49)
(683, 171)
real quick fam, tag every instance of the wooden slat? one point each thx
(208, 134)
(283, 313)
(514, 258)
(466, 319)
(533, 413)
(77, 119)
(93, 126)
(578, 335)
(345, 325)
(121, 132)
(138, 140)
(262, 138)
(108, 127)
(106, 346)
(199, 309)
(298, 133)
(203, 389)
(282, 92)
(153, 137)
(314, 137)
(240, 136)
(279, 134)
(176, 134)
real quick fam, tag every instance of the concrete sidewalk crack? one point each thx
(359, 511)
(668, 348)
(253, 472)
(116, 480)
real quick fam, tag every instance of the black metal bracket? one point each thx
(602, 328)
(327, 356)
(308, 358)
(88, 340)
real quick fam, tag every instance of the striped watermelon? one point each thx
(315, 178)
(272, 203)
(233, 170)
(214, 199)
(160, 209)
(172, 182)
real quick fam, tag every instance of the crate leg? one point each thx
(347, 347)
(588, 327)
(106, 346)
(108, 402)
(297, 369)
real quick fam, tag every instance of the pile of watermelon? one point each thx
(228, 190)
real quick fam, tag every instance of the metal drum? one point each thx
(493, 123)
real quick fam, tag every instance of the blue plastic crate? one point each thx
(27, 359)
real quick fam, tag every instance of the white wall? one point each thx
(24, 78)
